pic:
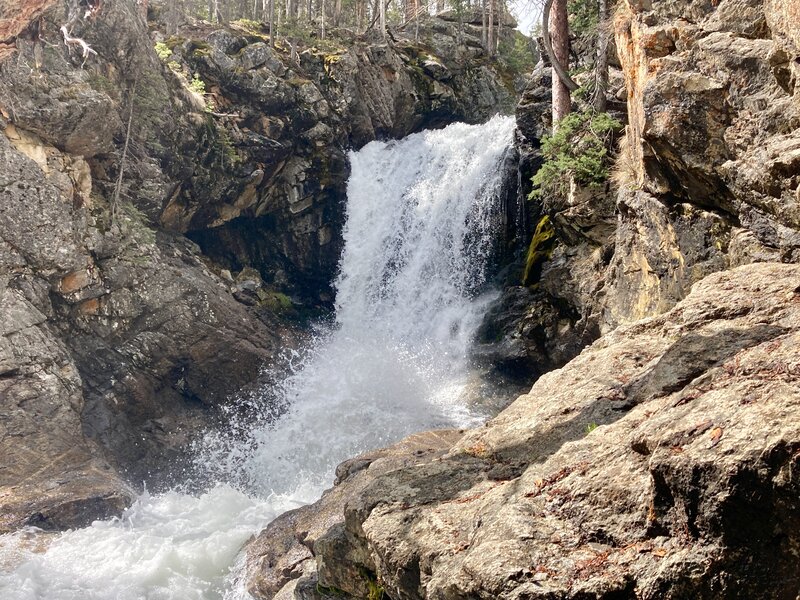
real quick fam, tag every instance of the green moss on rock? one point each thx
(540, 249)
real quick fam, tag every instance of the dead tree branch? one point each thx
(76, 41)
(118, 186)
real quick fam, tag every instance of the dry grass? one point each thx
(626, 171)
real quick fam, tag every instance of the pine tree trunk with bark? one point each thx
(601, 68)
(559, 38)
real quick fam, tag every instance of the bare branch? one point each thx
(118, 186)
(76, 41)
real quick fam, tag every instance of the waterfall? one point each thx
(422, 214)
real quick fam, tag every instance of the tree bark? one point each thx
(417, 12)
(337, 13)
(484, 38)
(555, 30)
(272, 24)
(499, 19)
(601, 68)
(490, 32)
(383, 18)
(548, 48)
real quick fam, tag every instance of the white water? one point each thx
(420, 219)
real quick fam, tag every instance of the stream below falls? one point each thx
(423, 214)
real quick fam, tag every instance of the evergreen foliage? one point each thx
(163, 51)
(578, 151)
(197, 85)
(583, 16)
(517, 53)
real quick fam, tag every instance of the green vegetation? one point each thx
(197, 85)
(578, 151)
(517, 53)
(330, 591)
(277, 302)
(583, 16)
(590, 428)
(305, 36)
(375, 590)
(249, 25)
(163, 51)
(540, 248)
(220, 153)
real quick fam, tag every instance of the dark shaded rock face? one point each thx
(661, 463)
(119, 339)
(289, 126)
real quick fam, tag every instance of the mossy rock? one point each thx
(539, 250)
(277, 302)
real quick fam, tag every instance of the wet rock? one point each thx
(121, 334)
(117, 340)
(51, 476)
(280, 560)
(294, 121)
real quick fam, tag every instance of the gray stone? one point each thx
(660, 463)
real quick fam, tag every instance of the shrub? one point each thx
(163, 51)
(583, 16)
(578, 151)
(197, 85)
(517, 53)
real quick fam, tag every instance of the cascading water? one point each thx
(421, 215)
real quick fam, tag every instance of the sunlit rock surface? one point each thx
(660, 463)
(706, 178)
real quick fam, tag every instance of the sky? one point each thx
(527, 13)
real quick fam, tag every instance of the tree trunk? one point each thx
(557, 35)
(439, 6)
(490, 31)
(499, 19)
(601, 69)
(361, 6)
(272, 24)
(337, 13)
(383, 17)
(417, 15)
(484, 35)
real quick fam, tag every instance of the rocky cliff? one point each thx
(659, 461)
(119, 335)
(706, 177)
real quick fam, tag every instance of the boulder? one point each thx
(661, 463)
